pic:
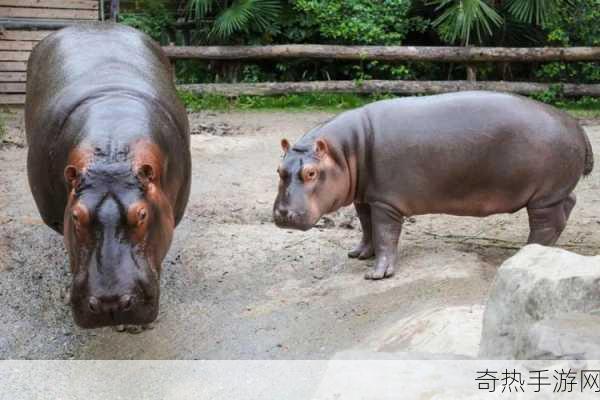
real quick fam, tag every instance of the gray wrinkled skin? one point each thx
(466, 153)
(107, 134)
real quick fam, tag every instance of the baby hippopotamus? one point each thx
(469, 153)
(109, 164)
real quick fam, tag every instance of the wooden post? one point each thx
(471, 73)
(114, 10)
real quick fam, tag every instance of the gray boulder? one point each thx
(538, 304)
(570, 336)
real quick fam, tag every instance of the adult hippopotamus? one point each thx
(467, 153)
(108, 164)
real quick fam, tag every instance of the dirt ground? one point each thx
(234, 286)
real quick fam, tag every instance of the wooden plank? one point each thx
(13, 77)
(14, 55)
(13, 66)
(74, 4)
(10, 12)
(387, 53)
(377, 86)
(14, 45)
(12, 99)
(12, 87)
(39, 23)
(24, 35)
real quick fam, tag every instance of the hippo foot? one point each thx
(362, 252)
(133, 329)
(380, 271)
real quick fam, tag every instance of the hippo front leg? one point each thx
(364, 249)
(387, 226)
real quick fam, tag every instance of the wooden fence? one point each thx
(470, 56)
(16, 45)
(16, 42)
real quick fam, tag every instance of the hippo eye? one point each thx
(142, 214)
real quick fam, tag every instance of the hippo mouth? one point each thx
(141, 308)
(141, 314)
(287, 222)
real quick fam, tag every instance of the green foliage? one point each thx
(551, 96)
(537, 12)
(578, 25)
(194, 103)
(584, 107)
(292, 102)
(224, 19)
(459, 19)
(468, 21)
(152, 17)
(361, 21)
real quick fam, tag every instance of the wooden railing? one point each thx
(470, 56)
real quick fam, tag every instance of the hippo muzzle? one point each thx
(130, 301)
(285, 218)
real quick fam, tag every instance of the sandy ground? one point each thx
(234, 286)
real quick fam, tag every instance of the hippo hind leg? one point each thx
(547, 223)
(364, 249)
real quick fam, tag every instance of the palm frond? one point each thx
(243, 13)
(197, 9)
(461, 18)
(535, 11)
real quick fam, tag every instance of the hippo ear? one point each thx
(321, 148)
(146, 173)
(72, 176)
(285, 145)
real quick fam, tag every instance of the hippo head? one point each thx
(312, 182)
(118, 227)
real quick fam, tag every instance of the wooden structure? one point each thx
(381, 86)
(23, 23)
(469, 56)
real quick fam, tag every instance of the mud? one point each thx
(236, 287)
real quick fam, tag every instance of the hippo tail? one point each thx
(589, 155)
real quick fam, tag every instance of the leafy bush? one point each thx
(575, 26)
(152, 17)
(361, 21)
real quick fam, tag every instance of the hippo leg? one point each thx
(364, 249)
(546, 224)
(387, 226)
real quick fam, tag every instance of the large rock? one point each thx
(543, 284)
(570, 336)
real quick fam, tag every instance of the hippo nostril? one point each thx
(126, 302)
(94, 305)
